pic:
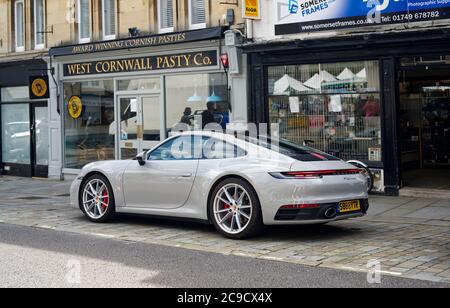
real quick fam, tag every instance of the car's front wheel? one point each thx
(235, 209)
(97, 199)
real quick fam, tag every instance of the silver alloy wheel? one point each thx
(96, 199)
(233, 208)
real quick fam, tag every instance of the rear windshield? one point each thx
(294, 151)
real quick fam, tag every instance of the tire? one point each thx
(236, 220)
(105, 209)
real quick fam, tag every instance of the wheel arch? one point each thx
(221, 179)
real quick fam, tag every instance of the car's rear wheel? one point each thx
(97, 199)
(235, 209)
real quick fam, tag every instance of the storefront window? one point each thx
(191, 95)
(141, 84)
(89, 128)
(15, 94)
(333, 107)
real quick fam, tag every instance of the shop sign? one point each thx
(303, 16)
(251, 9)
(75, 107)
(181, 61)
(39, 87)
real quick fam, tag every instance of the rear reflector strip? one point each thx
(300, 206)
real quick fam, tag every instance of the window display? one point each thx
(88, 116)
(332, 107)
(190, 95)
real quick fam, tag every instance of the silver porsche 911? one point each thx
(237, 184)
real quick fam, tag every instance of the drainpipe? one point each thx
(249, 26)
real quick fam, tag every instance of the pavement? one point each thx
(410, 237)
(31, 257)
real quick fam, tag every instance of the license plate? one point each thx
(349, 206)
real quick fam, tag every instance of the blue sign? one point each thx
(297, 16)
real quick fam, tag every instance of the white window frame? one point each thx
(163, 30)
(36, 45)
(112, 36)
(19, 48)
(193, 26)
(83, 40)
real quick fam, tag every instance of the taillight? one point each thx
(314, 174)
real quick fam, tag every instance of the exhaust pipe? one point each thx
(330, 213)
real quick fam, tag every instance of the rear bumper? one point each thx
(316, 221)
(318, 213)
(328, 191)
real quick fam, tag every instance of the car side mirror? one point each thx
(140, 159)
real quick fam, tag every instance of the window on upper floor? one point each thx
(109, 19)
(84, 21)
(165, 16)
(39, 24)
(197, 14)
(19, 25)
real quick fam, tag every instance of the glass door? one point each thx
(16, 141)
(25, 142)
(40, 140)
(151, 121)
(140, 124)
(128, 127)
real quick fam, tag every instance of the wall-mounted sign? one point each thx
(139, 42)
(251, 9)
(39, 87)
(75, 107)
(208, 58)
(302, 16)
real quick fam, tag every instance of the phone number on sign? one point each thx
(416, 16)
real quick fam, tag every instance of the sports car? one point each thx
(237, 184)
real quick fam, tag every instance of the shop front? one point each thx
(380, 98)
(118, 102)
(24, 119)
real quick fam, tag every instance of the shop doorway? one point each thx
(24, 142)
(140, 124)
(425, 126)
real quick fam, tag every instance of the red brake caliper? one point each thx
(105, 200)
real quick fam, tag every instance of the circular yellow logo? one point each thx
(39, 87)
(75, 107)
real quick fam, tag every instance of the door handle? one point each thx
(185, 175)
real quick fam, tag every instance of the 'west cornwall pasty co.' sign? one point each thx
(301, 16)
(190, 60)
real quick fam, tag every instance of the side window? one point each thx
(219, 149)
(181, 148)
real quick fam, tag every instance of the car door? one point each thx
(166, 179)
